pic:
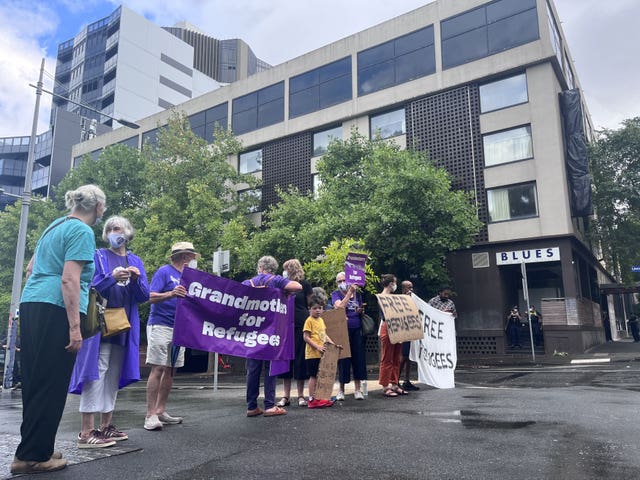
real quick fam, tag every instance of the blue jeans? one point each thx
(254, 371)
(357, 361)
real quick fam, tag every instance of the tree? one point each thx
(396, 201)
(615, 168)
(189, 192)
(41, 213)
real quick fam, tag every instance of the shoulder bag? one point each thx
(368, 324)
(115, 319)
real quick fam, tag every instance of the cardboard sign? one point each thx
(402, 317)
(327, 372)
(336, 322)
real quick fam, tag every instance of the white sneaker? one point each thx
(167, 419)
(152, 423)
(340, 396)
(358, 395)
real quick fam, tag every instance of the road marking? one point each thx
(583, 361)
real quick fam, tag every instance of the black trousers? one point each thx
(46, 371)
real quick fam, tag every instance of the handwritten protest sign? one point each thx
(327, 372)
(336, 322)
(224, 316)
(436, 353)
(401, 315)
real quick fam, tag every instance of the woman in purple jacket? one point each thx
(105, 365)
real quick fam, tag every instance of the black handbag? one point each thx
(368, 324)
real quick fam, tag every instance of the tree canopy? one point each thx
(615, 168)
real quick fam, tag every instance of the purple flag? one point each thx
(354, 269)
(224, 316)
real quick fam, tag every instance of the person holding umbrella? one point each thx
(161, 354)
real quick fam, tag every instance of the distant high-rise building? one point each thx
(127, 67)
(224, 60)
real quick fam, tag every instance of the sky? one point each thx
(602, 35)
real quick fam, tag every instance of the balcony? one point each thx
(40, 178)
(112, 40)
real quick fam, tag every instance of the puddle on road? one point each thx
(473, 419)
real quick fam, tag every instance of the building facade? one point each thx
(478, 85)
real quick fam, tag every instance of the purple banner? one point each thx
(354, 269)
(224, 316)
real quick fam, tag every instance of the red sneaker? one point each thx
(319, 403)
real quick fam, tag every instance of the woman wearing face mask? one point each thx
(348, 297)
(105, 365)
(391, 352)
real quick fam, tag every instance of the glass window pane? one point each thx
(413, 41)
(416, 64)
(253, 197)
(246, 121)
(322, 139)
(303, 81)
(335, 69)
(507, 146)
(271, 93)
(250, 162)
(374, 55)
(503, 93)
(219, 113)
(303, 102)
(245, 102)
(197, 119)
(376, 78)
(465, 48)
(388, 124)
(335, 91)
(512, 202)
(270, 113)
(506, 8)
(513, 31)
(463, 23)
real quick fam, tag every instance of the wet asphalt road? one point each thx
(552, 422)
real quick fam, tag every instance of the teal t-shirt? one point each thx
(70, 240)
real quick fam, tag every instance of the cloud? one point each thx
(21, 28)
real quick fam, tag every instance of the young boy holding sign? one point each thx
(315, 336)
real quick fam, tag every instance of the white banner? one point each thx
(436, 353)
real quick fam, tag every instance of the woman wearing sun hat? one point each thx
(165, 287)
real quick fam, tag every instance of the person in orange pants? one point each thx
(391, 353)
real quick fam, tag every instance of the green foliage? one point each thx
(397, 202)
(615, 169)
(189, 194)
(322, 271)
(41, 214)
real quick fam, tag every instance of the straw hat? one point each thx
(183, 247)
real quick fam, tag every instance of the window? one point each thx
(322, 139)
(503, 93)
(258, 109)
(389, 124)
(251, 199)
(488, 29)
(316, 181)
(510, 203)
(507, 146)
(396, 61)
(204, 123)
(555, 35)
(320, 88)
(250, 162)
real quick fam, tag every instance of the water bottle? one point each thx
(365, 391)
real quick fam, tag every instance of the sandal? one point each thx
(284, 402)
(388, 392)
(274, 411)
(400, 391)
(302, 402)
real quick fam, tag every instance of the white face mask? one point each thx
(193, 263)
(394, 287)
(343, 286)
(285, 274)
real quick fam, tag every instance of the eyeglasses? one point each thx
(341, 281)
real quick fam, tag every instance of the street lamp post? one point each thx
(18, 268)
(16, 287)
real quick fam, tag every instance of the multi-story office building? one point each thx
(478, 84)
(51, 160)
(224, 60)
(126, 67)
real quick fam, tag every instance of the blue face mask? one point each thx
(116, 240)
